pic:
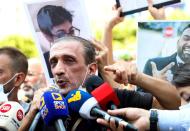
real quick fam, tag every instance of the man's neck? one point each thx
(13, 96)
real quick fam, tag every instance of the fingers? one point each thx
(168, 67)
(103, 122)
(150, 3)
(97, 44)
(121, 112)
(154, 67)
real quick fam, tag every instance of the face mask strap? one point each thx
(8, 82)
(10, 79)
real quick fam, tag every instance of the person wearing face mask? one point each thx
(72, 60)
(13, 70)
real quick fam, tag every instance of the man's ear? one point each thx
(19, 79)
(92, 68)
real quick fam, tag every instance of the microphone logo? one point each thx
(75, 97)
(43, 108)
(57, 96)
(58, 101)
(19, 115)
(42, 103)
(5, 108)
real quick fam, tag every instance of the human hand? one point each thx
(124, 72)
(162, 74)
(102, 54)
(136, 116)
(115, 18)
(158, 14)
(35, 104)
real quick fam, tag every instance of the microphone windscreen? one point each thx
(53, 106)
(11, 116)
(81, 102)
(105, 95)
(92, 82)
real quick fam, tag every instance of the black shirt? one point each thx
(137, 99)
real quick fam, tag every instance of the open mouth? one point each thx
(62, 83)
(186, 50)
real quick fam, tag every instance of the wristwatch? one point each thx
(153, 119)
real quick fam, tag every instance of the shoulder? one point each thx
(163, 59)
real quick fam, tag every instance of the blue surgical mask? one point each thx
(3, 95)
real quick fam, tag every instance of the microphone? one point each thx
(11, 116)
(103, 92)
(53, 107)
(88, 108)
(52, 87)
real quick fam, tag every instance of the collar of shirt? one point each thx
(179, 60)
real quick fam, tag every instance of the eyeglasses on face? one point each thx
(72, 31)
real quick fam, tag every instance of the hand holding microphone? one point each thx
(88, 108)
(11, 116)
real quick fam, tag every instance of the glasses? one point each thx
(72, 31)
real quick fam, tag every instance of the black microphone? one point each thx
(83, 103)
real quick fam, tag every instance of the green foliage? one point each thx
(126, 57)
(124, 36)
(24, 44)
(178, 14)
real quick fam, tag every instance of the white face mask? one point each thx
(3, 95)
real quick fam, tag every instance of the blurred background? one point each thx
(14, 26)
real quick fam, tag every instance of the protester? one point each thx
(181, 80)
(34, 80)
(176, 120)
(13, 70)
(72, 60)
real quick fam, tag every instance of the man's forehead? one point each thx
(186, 32)
(70, 46)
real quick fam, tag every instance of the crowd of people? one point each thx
(157, 104)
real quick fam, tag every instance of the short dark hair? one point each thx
(19, 60)
(50, 16)
(182, 29)
(89, 50)
(181, 76)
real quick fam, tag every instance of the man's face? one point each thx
(183, 46)
(185, 94)
(68, 64)
(63, 29)
(33, 77)
(5, 72)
